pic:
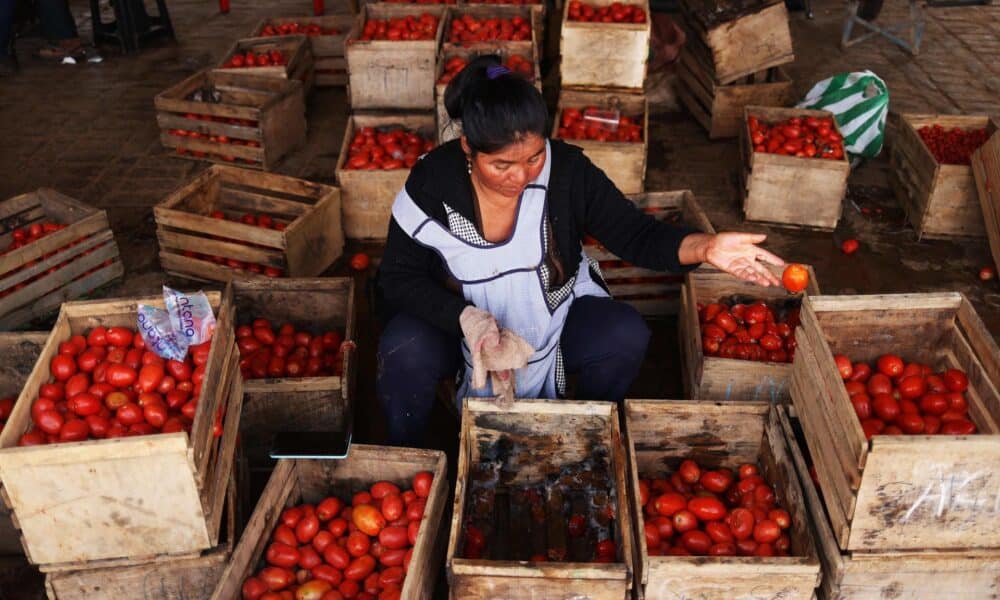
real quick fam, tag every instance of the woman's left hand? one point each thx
(734, 253)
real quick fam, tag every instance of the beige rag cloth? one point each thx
(495, 352)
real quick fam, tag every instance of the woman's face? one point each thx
(508, 170)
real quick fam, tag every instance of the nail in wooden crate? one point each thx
(189, 235)
(738, 39)
(941, 201)
(296, 481)
(716, 378)
(368, 195)
(533, 14)
(623, 162)
(122, 501)
(84, 255)
(966, 573)
(306, 403)
(295, 49)
(394, 75)
(790, 190)
(663, 433)
(905, 493)
(262, 119)
(986, 169)
(329, 63)
(604, 55)
(529, 444)
(652, 293)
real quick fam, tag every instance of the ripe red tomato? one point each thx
(850, 246)
(359, 568)
(62, 367)
(987, 273)
(890, 365)
(696, 542)
(357, 544)
(121, 376)
(717, 481)
(282, 555)
(668, 504)
(689, 471)
(955, 380)
(684, 520)
(795, 278)
(368, 519)
(706, 508)
(393, 537)
(844, 366)
(360, 261)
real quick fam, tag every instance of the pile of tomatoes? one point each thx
(406, 28)
(248, 59)
(310, 29)
(422, 1)
(952, 146)
(287, 352)
(808, 137)
(391, 148)
(747, 332)
(895, 398)
(709, 513)
(517, 2)
(254, 220)
(32, 233)
(24, 236)
(468, 29)
(575, 126)
(615, 12)
(218, 139)
(6, 407)
(515, 62)
(107, 385)
(331, 551)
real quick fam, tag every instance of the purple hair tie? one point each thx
(494, 71)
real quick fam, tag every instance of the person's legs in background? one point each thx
(59, 28)
(8, 63)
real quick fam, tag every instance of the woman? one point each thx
(491, 226)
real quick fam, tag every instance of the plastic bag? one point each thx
(159, 335)
(860, 104)
(191, 315)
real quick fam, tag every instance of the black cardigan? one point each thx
(582, 200)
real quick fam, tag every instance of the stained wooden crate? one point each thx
(530, 441)
(539, 14)
(652, 293)
(967, 573)
(940, 200)
(661, 434)
(896, 492)
(716, 378)
(738, 39)
(295, 48)
(719, 108)
(296, 481)
(790, 190)
(87, 228)
(397, 75)
(623, 162)
(312, 240)
(367, 195)
(266, 112)
(499, 11)
(329, 63)
(986, 169)
(166, 577)
(296, 404)
(604, 55)
(124, 500)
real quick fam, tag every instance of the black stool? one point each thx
(132, 24)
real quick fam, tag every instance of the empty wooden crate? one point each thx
(604, 55)
(327, 45)
(986, 169)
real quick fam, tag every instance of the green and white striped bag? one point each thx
(860, 103)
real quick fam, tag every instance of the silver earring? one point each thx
(468, 166)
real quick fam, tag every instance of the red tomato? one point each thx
(766, 531)
(282, 555)
(741, 523)
(358, 544)
(276, 578)
(717, 481)
(697, 542)
(795, 278)
(74, 430)
(253, 588)
(62, 367)
(684, 520)
(328, 574)
(359, 568)
(392, 507)
(121, 376)
(719, 532)
(328, 508)
(119, 336)
(890, 365)
(668, 504)
(307, 528)
(421, 481)
(706, 508)
(850, 246)
(381, 489)
(360, 261)
(844, 366)
(955, 380)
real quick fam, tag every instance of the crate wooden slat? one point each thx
(296, 481)
(23, 300)
(296, 404)
(623, 162)
(329, 63)
(986, 169)
(367, 195)
(125, 499)
(270, 111)
(535, 428)
(604, 55)
(893, 492)
(790, 190)
(941, 201)
(661, 434)
(716, 378)
(295, 48)
(397, 75)
(312, 240)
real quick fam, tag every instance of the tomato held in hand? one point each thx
(795, 278)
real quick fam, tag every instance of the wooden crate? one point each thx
(790, 190)
(266, 112)
(652, 293)
(715, 378)
(329, 63)
(623, 162)
(296, 404)
(397, 75)
(295, 481)
(535, 439)
(738, 39)
(23, 300)
(161, 578)
(312, 240)
(124, 500)
(871, 575)
(940, 201)
(539, 15)
(661, 434)
(900, 492)
(986, 169)
(499, 11)
(295, 48)
(368, 195)
(719, 108)
(604, 55)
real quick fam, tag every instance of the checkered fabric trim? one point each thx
(465, 229)
(560, 373)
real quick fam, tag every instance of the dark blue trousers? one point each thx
(603, 342)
